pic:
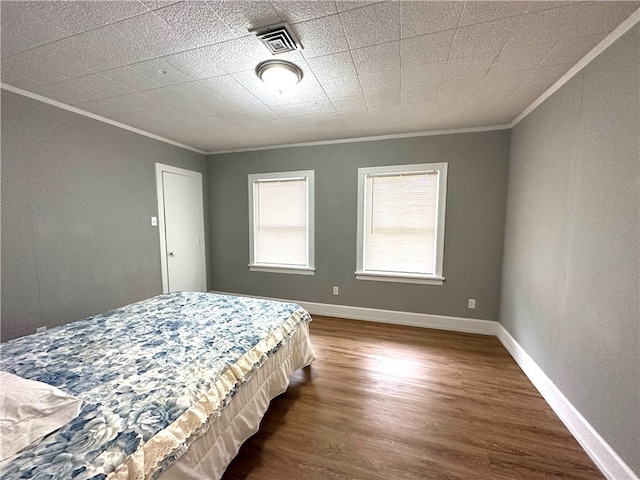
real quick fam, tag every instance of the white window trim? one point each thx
(276, 268)
(260, 267)
(400, 277)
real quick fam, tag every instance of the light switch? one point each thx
(154, 221)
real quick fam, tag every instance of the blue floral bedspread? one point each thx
(138, 369)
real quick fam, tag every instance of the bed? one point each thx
(167, 388)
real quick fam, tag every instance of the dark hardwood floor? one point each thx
(392, 402)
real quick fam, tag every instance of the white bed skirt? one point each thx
(209, 456)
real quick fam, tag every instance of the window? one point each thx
(401, 213)
(281, 222)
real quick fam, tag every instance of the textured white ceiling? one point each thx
(185, 70)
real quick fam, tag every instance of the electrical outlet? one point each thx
(472, 303)
(41, 329)
(336, 291)
(154, 221)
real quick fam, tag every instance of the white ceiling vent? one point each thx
(277, 38)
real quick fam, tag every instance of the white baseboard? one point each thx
(424, 320)
(605, 458)
(441, 322)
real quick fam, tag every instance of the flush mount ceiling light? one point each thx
(279, 74)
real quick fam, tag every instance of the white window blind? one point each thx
(281, 229)
(401, 223)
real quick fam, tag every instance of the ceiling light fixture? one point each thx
(279, 74)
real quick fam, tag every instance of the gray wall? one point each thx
(77, 197)
(570, 285)
(474, 226)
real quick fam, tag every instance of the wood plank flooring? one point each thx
(392, 402)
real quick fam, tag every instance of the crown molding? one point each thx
(625, 26)
(372, 138)
(606, 42)
(93, 116)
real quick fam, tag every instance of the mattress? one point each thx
(155, 378)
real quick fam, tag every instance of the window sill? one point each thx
(400, 278)
(277, 269)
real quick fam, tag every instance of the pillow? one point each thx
(29, 410)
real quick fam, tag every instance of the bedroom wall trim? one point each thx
(599, 48)
(84, 113)
(633, 19)
(424, 320)
(605, 43)
(409, 319)
(605, 458)
(161, 169)
(373, 138)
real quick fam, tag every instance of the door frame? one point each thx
(160, 169)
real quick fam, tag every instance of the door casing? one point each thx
(160, 169)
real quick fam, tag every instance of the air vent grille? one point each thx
(277, 38)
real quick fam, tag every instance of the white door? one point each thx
(181, 225)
